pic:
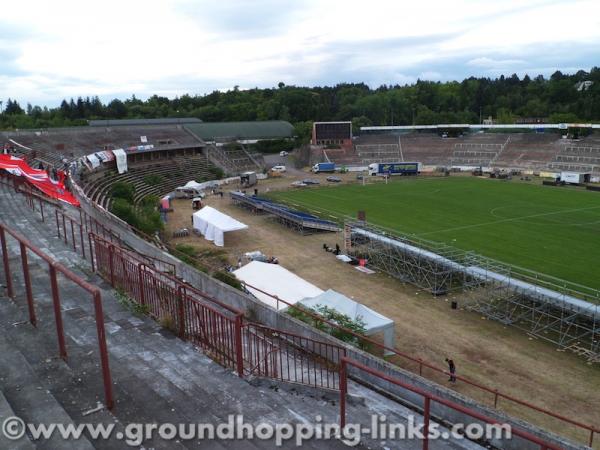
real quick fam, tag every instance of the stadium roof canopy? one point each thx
(267, 129)
(528, 126)
(137, 122)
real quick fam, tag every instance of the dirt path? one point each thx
(426, 326)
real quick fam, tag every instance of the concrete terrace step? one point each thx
(148, 389)
(205, 394)
(31, 399)
(6, 412)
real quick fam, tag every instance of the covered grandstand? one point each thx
(242, 131)
(161, 153)
(52, 146)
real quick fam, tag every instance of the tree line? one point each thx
(506, 99)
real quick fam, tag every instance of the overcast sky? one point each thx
(50, 50)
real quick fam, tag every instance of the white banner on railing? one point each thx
(121, 158)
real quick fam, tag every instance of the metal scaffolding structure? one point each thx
(547, 308)
(431, 269)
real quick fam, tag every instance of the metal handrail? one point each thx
(54, 268)
(427, 399)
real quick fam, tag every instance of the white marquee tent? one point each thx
(374, 322)
(275, 280)
(213, 224)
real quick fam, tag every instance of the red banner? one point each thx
(39, 178)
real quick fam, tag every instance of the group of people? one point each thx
(8, 149)
(336, 251)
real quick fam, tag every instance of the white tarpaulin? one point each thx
(121, 158)
(193, 188)
(275, 280)
(213, 224)
(374, 322)
(94, 161)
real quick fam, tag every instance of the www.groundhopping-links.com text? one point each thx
(236, 428)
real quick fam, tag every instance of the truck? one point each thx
(398, 168)
(324, 167)
(248, 179)
(575, 177)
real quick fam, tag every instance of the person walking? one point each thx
(452, 370)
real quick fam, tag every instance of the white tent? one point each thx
(275, 280)
(213, 224)
(374, 322)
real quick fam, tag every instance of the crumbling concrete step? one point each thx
(6, 412)
(31, 400)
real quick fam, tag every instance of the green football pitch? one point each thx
(555, 231)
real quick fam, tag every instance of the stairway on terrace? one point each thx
(157, 378)
(529, 151)
(233, 160)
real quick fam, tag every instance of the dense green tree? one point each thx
(13, 108)
(424, 102)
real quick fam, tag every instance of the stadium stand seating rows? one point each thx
(529, 151)
(578, 158)
(54, 145)
(502, 150)
(427, 148)
(423, 147)
(234, 160)
(474, 151)
(172, 172)
(372, 149)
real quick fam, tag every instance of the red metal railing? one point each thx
(421, 364)
(108, 250)
(54, 268)
(214, 327)
(428, 399)
(217, 328)
(64, 219)
(260, 354)
(293, 358)
(70, 229)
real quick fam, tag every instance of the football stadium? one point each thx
(314, 224)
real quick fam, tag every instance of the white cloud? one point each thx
(430, 75)
(496, 64)
(67, 48)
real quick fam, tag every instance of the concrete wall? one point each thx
(259, 312)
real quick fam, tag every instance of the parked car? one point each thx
(298, 184)
(280, 169)
(309, 181)
(334, 179)
(283, 153)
